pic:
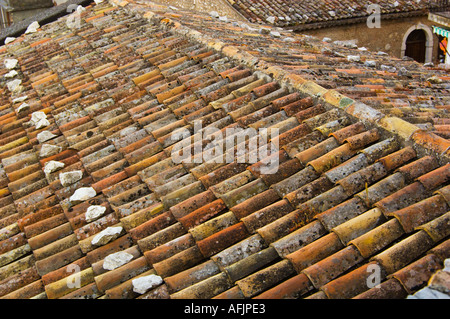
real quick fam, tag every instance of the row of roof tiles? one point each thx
(348, 196)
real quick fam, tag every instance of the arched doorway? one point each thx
(416, 45)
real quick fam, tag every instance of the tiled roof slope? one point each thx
(358, 196)
(313, 14)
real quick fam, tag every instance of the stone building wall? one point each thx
(388, 38)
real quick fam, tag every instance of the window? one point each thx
(5, 18)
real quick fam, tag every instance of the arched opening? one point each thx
(416, 45)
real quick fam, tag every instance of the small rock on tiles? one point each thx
(45, 136)
(49, 150)
(70, 178)
(214, 14)
(53, 166)
(14, 86)
(271, 19)
(11, 74)
(447, 265)
(116, 260)
(20, 99)
(9, 40)
(33, 27)
(434, 80)
(11, 63)
(106, 235)
(37, 116)
(404, 72)
(143, 284)
(354, 58)
(388, 68)
(42, 123)
(348, 44)
(370, 63)
(275, 34)
(82, 194)
(23, 107)
(94, 212)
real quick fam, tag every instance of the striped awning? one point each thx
(441, 31)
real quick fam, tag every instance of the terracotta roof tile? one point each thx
(266, 215)
(333, 158)
(226, 237)
(350, 284)
(205, 289)
(357, 181)
(415, 245)
(265, 278)
(444, 192)
(292, 13)
(435, 178)
(161, 237)
(359, 225)
(309, 191)
(295, 181)
(202, 214)
(436, 229)
(181, 261)
(249, 264)
(89, 291)
(317, 250)
(420, 167)
(192, 276)
(291, 288)
(114, 277)
(168, 249)
(389, 289)
(327, 269)
(382, 189)
(411, 282)
(419, 213)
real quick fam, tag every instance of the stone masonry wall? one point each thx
(388, 38)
